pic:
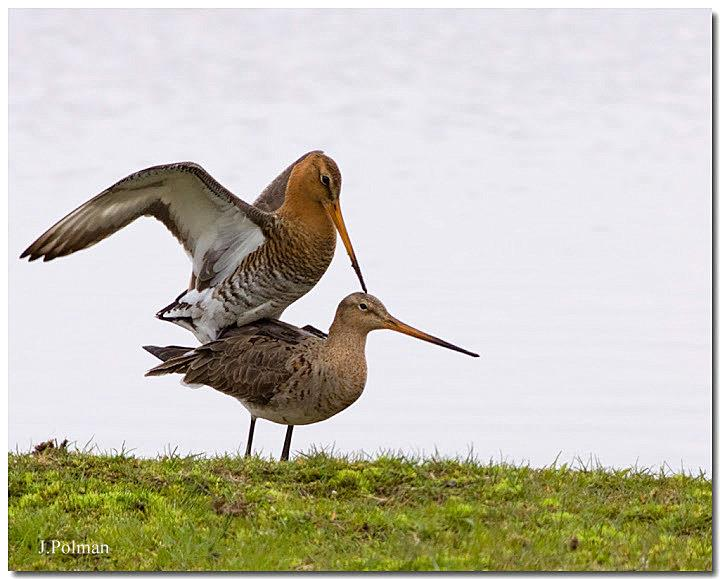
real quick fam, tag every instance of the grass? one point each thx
(327, 513)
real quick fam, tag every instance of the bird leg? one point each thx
(248, 448)
(286, 447)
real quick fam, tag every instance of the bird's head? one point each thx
(365, 313)
(315, 181)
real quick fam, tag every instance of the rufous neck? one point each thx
(301, 210)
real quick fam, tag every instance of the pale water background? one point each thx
(533, 185)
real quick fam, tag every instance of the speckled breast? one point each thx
(273, 277)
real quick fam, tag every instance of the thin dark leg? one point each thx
(286, 447)
(248, 448)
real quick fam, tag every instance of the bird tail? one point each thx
(167, 352)
(176, 359)
(180, 312)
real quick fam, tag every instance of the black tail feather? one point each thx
(167, 352)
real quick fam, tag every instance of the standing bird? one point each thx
(286, 374)
(248, 262)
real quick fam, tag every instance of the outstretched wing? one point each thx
(273, 195)
(216, 228)
(248, 362)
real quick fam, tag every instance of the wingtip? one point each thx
(33, 254)
(30, 254)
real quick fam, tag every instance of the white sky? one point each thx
(533, 185)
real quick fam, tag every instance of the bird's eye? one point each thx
(325, 180)
(363, 307)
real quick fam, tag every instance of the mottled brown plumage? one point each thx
(249, 262)
(286, 374)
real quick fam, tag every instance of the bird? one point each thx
(286, 374)
(248, 261)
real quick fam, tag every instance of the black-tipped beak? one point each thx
(398, 326)
(333, 210)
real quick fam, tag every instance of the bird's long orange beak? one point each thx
(333, 209)
(398, 326)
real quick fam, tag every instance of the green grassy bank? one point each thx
(323, 513)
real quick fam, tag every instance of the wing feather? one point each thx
(216, 228)
(248, 362)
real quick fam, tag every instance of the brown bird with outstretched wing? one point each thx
(248, 262)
